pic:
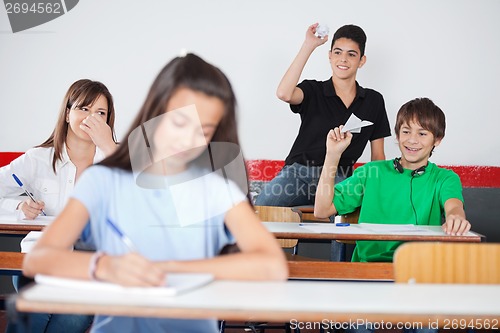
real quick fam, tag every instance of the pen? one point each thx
(122, 236)
(342, 224)
(20, 183)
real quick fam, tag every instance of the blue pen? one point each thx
(342, 224)
(122, 236)
(20, 183)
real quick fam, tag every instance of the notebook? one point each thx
(176, 283)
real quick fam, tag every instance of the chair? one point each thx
(307, 213)
(281, 214)
(433, 262)
(351, 218)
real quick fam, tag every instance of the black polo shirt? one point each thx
(322, 110)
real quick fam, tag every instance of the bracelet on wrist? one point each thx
(94, 260)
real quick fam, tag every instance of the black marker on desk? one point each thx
(20, 183)
(127, 241)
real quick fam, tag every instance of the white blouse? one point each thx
(34, 169)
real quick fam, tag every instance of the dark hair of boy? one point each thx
(352, 32)
(424, 112)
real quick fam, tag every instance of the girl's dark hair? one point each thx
(189, 72)
(424, 112)
(81, 93)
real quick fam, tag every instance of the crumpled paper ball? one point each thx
(322, 30)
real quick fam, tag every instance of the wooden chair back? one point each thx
(351, 218)
(433, 262)
(280, 214)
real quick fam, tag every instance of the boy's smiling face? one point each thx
(416, 144)
(345, 58)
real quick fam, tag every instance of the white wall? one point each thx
(447, 50)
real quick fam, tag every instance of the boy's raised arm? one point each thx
(336, 144)
(287, 90)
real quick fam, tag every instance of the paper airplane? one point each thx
(354, 124)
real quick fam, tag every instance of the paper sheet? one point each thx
(176, 283)
(30, 240)
(394, 228)
(354, 124)
(378, 229)
(13, 218)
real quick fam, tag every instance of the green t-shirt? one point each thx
(389, 197)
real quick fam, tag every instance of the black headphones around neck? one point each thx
(398, 167)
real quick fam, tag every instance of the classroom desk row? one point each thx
(324, 231)
(366, 231)
(300, 301)
(10, 225)
(299, 268)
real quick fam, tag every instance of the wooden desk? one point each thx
(19, 229)
(10, 226)
(362, 232)
(299, 268)
(328, 270)
(11, 263)
(284, 301)
(304, 268)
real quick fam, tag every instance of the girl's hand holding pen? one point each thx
(31, 209)
(130, 269)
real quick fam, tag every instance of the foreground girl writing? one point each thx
(190, 104)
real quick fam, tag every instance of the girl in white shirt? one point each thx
(83, 135)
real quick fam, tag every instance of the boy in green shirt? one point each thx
(406, 190)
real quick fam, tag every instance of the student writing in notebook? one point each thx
(172, 192)
(83, 135)
(406, 190)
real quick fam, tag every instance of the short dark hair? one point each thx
(353, 32)
(424, 112)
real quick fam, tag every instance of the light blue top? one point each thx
(182, 219)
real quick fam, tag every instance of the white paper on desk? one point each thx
(354, 124)
(13, 218)
(176, 284)
(30, 240)
(44, 219)
(393, 228)
(332, 228)
(8, 218)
